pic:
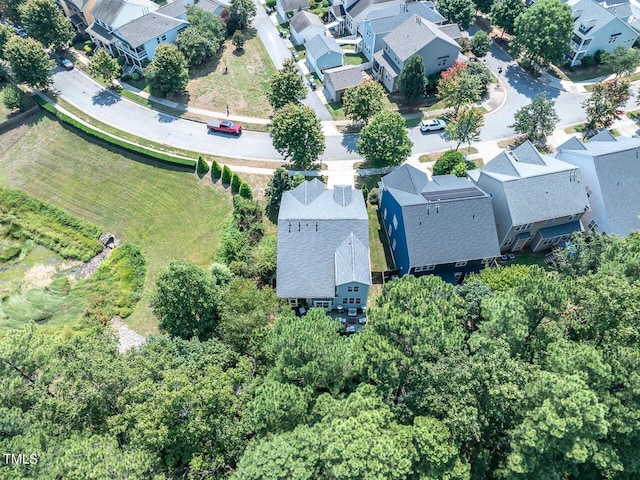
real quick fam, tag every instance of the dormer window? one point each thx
(587, 25)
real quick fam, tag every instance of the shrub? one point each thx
(125, 78)
(447, 162)
(365, 192)
(12, 97)
(226, 175)
(588, 61)
(236, 181)
(135, 76)
(159, 156)
(245, 191)
(216, 170)
(202, 167)
(88, 50)
(271, 3)
(88, 43)
(374, 196)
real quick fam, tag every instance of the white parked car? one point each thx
(432, 124)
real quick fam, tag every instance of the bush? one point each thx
(135, 76)
(125, 78)
(447, 162)
(374, 196)
(245, 191)
(365, 193)
(161, 157)
(201, 166)
(588, 61)
(236, 181)
(226, 175)
(12, 97)
(216, 170)
(88, 50)
(271, 3)
(88, 43)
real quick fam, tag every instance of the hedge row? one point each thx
(230, 178)
(162, 157)
(51, 226)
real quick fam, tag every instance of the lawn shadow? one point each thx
(208, 66)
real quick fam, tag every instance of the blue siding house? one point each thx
(444, 226)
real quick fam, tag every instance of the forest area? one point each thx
(518, 373)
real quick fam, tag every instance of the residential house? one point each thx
(443, 226)
(178, 8)
(323, 247)
(610, 168)
(74, 11)
(337, 80)
(286, 7)
(322, 53)
(415, 36)
(596, 28)
(378, 23)
(304, 26)
(357, 10)
(538, 200)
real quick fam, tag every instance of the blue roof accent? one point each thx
(559, 230)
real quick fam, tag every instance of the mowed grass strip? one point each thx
(165, 210)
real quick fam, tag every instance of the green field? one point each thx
(170, 213)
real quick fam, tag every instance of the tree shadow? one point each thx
(208, 66)
(105, 98)
(165, 118)
(350, 142)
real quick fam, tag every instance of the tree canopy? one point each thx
(605, 104)
(45, 22)
(461, 12)
(364, 101)
(412, 81)
(297, 134)
(167, 72)
(29, 62)
(196, 46)
(286, 86)
(505, 12)
(104, 65)
(385, 141)
(537, 120)
(621, 61)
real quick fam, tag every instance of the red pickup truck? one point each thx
(224, 126)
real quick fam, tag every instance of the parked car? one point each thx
(20, 31)
(66, 64)
(296, 55)
(225, 126)
(432, 124)
(312, 83)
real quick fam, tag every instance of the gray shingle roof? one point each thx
(173, 9)
(590, 14)
(343, 77)
(294, 5)
(148, 27)
(107, 10)
(361, 6)
(413, 35)
(100, 32)
(451, 30)
(320, 241)
(446, 220)
(386, 19)
(617, 166)
(537, 187)
(303, 19)
(320, 45)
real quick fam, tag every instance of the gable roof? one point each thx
(536, 187)
(361, 7)
(303, 19)
(386, 19)
(173, 9)
(617, 166)
(148, 27)
(446, 219)
(323, 240)
(294, 5)
(413, 35)
(320, 45)
(116, 13)
(343, 77)
(592, 16)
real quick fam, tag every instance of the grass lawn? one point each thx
(167, 211)
(381, 259)
(336, 110)
(244, 85)
(432, 157)
(355, 58)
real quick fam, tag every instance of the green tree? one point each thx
(202, 167)
(11, 9)
(457, 88)
(208, 24)
(461, 12)
(543, 31)
(484, 5)
(605, 104)
(12, 97)
(504, 14)
(412, 81)
(45, 22)
(236, 181)
(447, 162)
(278, 184)
(278, 407)
(467, 126)
(297, 135)
(385, 141)
(242, 11)
(621, 61)
(286, 86)
(216, 170)
(460, 170)
(6, 32)
(238, 39)
(196, 46)
(245, 191)
(29, 62)
(363, 101)
(104, 65)
(185, 300)
(480, 43)
(481, 72)
(537, 120)
(167, 72)
(226, 175)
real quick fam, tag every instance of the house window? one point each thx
(614, 37)
(384, 214)
(395, 223)
(164, 37)
(588, 190)
(572, 217)
(461, 264)
(393, 245)
(353, 288)
(519, 227)
(442, 61)
(349, 289)
(158, 40)
(344, 300)
(425, 268)
(352, 300)
(321, 304)
(293, 302)
(508, 242)
(358, 301)
(593, 226)
(389, 231)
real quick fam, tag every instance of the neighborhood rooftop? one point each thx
(343, 77)
(321, 44)
(412, 35)
(303, 19)
(148, 27)
(108, 11)
(386, 19)
(294, 5)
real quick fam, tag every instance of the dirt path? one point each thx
(127, 338)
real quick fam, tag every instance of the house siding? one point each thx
(328, 60)
(437, 55)
(359, 298)
(448, 271)
(298, 38)
(401, 253)
(600, 39)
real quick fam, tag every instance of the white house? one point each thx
(283, 7)
(322, 53)
(304, 26)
